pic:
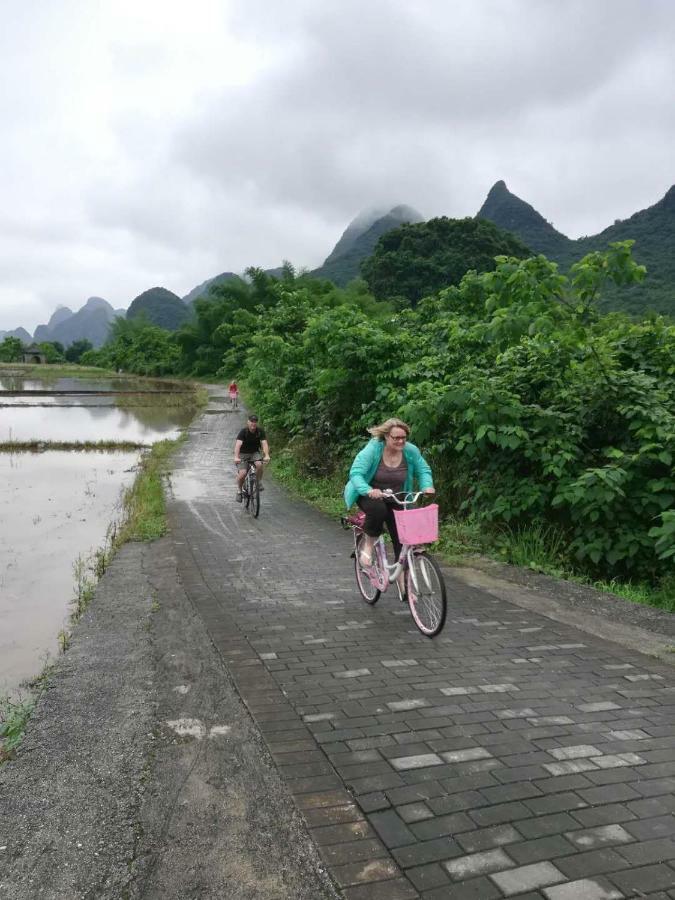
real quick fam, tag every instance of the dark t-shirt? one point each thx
(390, 477)
(250, 440)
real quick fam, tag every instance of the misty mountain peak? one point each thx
(97, 303)
(60, 314)
(359, 239)
(509, 212)
(406, 213)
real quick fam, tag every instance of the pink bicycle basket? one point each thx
(417, 526)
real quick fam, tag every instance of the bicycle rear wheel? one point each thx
(426, 593)
(369, 593)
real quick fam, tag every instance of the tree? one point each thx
(136, 345)
(11, 350)
(415, 261)
(77, 348)
(53, 351)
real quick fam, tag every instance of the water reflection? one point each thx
(17, 382)
(141, 424)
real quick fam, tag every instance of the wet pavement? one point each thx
(512, 756)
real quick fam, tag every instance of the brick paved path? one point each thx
(510, 757)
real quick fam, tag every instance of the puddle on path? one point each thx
(54, 507)
(187, 486)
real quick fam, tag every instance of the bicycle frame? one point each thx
(251, 469)
(385, 573)
(424, 590)
(391, 571)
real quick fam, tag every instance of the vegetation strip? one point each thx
(144, 501)
(79, 446)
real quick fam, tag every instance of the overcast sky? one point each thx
(151, 142)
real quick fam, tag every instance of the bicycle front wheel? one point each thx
(367, 590)
(255, 497)
(426, 593)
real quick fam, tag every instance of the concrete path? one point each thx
(141, 774)
(513, 756)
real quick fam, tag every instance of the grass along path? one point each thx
(538, 548)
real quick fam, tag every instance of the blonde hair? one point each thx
(381, 431)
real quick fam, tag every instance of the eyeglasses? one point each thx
(399, 437)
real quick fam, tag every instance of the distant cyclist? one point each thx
(251, 444)
(233, 393)
(387, 462)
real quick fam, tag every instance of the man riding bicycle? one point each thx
(250, 445)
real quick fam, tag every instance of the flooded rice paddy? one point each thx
(138, 424)
(56, 506)
(74, 409)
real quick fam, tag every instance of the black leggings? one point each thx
(378, 514)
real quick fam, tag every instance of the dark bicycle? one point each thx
(250, 490)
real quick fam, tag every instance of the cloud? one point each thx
(433, 104)
(145, 144)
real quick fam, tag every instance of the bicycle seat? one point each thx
(356, 519)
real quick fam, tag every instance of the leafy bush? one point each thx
(538, 413)
(135, 345)
(11, 349)
(76, 350)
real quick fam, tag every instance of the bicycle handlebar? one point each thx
(408, 496)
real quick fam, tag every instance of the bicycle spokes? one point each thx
(368, 590)
(426, 594)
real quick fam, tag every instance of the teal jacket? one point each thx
(366, 464)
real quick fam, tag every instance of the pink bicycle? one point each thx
(424, 583)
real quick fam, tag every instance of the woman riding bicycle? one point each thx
(233, 393)
(387, 461)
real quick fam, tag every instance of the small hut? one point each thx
(34, 354)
